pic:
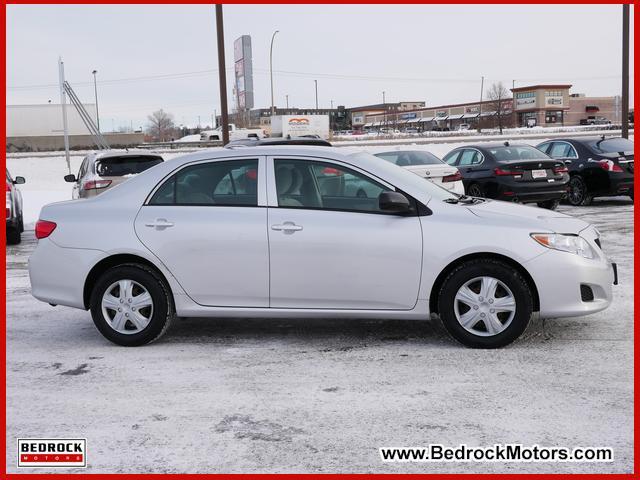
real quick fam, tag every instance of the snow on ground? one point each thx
(283, 396)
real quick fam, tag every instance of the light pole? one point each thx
(625, 71)
(273, 110)
(480, 105)
(316, 82)
(95, 90)
(224, 114)
(287, 101)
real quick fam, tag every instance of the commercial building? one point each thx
(536, 105)
(360, 114)
(40, 128)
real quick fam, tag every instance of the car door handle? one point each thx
(160, 224)
(287, 227)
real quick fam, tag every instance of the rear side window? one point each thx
(470, 157)
(122, 166)
(407, 159)
(451, 158)
(562, 150)
(612, 145)
(519, 152)
(232, 183)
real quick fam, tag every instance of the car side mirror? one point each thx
(19, 180)
(71, 178)
(394, 202)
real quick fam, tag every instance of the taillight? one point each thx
(96, 184)
(452, 178)
(560, 170)
(610, 166)
(331, 171)
(502, 172)
(44, 228)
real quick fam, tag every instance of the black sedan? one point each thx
(512, 172)
(598, 166)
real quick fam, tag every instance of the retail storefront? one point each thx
(541, 105)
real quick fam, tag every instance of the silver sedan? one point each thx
(277, 231)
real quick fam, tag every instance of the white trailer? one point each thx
(300, 126)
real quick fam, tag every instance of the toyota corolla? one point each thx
(276, 232)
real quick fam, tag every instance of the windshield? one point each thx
(612, 145)
(128, 165)
(406, 159)
(389, 172)
(516, 152)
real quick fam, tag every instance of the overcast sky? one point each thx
(153, 56)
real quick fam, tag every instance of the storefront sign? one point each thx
(441, 113)
(522, 103)
(475, 109)
(407, 116)
(555, 101)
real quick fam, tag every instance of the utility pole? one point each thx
(273, 110)
(287, 98)
(222, 72)
(316, 82)
(63, 104)
(625, 71)
(480, 109)
(95, 89)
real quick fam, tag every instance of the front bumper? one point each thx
(559, 277)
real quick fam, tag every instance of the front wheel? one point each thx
(131, 305)
(578, 192)
(549, 204)
(485, 303)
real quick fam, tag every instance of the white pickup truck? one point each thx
(235, 133)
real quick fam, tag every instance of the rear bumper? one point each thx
(531, 194)
(58, 274)
(620, 184)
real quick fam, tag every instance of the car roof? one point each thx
(487, 146)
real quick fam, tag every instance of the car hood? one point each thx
(533, 217)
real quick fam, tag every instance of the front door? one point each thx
(208, 224)
(330, 245)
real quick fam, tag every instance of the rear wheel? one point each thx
(578, 192)
(485, 303)
(549, 204)
(475, 190)
(131, 305)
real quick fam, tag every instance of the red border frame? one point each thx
(97, 476)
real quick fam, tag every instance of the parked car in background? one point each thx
(102, 170)
(595, 121)
(463, 127)
(15, 224)
(598, 166)
(517, 173)
(427, 165)
(182, 239)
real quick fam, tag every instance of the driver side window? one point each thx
(320, 185)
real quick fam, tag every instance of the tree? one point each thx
(497, 101)
(161, 127)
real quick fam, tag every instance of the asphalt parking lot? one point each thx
(321, 395)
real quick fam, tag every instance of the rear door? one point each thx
(208, 224)
(331, 247)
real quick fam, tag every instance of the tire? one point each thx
(511, 290)
(475, 190)
(13, 236)
(578, 192)
(549, 204)
(151, 323)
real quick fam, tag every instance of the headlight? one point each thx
(565, 243)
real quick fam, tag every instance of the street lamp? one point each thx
(95, 89)
(316, 82)
(273, 110)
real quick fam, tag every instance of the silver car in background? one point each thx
(102, 170)
(427, 165)
(276, 231)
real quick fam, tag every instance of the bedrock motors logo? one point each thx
(52, 452)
